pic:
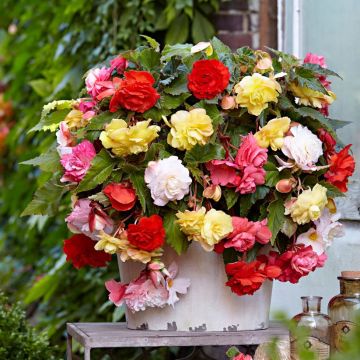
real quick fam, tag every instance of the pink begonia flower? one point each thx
(251, 177)
(119, 64)
(87, 108)
(88, 218)
(109, 88)
(142, 293)
(64, 139)
(242, 356)
(223, 172)
(94, 78)
(116, 291)
(250, 154)
(246, 233)
(320, 60)
(245, 172)
(155, 268)
(78, 161)
(175, 285)
(315, 59)
(296, 262)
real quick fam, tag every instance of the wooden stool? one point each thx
(116, 335)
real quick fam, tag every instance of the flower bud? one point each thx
(331, 206)
(212, 192)
(228, 102)
(284, 186)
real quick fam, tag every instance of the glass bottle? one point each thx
(343, 307)
(318, 324)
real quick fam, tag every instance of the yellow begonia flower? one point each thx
(191, 222)
(206, 228)
(139, 255)
(121, 246)
(124, 140)
(111, 244)
(309, 97)
(74, 119)
(309, 205)
(272, 134)
(255, 92)
(189, 128)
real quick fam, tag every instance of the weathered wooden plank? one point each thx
(97, 335)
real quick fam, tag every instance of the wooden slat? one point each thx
(97, 335)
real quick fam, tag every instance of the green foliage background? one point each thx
(43, 55)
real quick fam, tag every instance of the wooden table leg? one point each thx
(69, 347)
(87, 353)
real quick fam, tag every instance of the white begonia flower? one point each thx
(168, 180)
(201, 46)
(327, 228)
(303, 147)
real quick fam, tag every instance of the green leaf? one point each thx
(101, 198)
(41, 87)
(46, 286)
(142, 192)
(178, 31)
(272, 174)
(101, 168)
(98, 122)
(319, 70)
(178, 86)
(48, 161)
(202, 28)
(152, 42)
(246, 201)
(46, 199)
(219, 47)
(172, 102)
(150, 59)
(53, 119)
(174, 237)
(276, 217)
(231, 197)
(181, 50)
(156, 114)
(332, 191)
(202, 154)
(306, 78)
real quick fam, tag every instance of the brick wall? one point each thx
(239, 23)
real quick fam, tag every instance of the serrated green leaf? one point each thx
(272, 174)
(178, 86)
(98, 122)
(332, 191)
(169, 102)
(319, 70)
(101, 168)
(181, 50)
(142, 192)
(149, 59)
(101, 198)
(202, 154)
(46, 199)
(276, 218)
(246, 201)
(306, 78)
(152, 42)
(174, 237)
(48, 161)
(54, 118)
(231, 197)
(156, 114)
(219, 47)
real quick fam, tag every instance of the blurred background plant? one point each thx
(45, 47)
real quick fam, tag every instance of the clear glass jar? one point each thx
(318, 325)
(343, 307)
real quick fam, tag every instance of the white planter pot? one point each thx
(209, 305)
